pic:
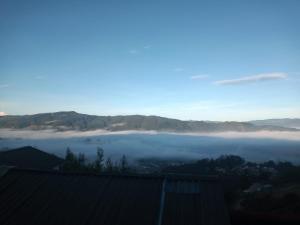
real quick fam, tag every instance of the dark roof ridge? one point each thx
(171, 176)
(4, 169)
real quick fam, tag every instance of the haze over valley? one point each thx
(150, 112)
(141, 137)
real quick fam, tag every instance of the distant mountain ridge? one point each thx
(71, 120)
(286, 122)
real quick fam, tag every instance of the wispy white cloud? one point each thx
(199, 77)
(178, 69)
(133, 51)
(254, 78)
(139, 50)
(4, 85)
(2, 114)
(40, 77)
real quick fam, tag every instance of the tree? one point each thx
(108, 165)
(71, 162)
(70, 157)
(81, 159)
(229, 161)
(98, 165)
(124, 164)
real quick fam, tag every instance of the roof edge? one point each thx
(171, 176)
(4, 169)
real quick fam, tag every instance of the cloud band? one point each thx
(252, 79)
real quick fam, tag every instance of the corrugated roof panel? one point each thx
(181, 186)
(72, 199)
(213, 208)
(64, 200)
(138, 200)
(36, 197)
(182, 209)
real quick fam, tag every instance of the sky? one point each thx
(190, 60)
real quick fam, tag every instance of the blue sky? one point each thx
(200, 60)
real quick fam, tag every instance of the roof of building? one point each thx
(44, 197)
(29, 157)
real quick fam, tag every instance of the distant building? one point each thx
(51, 197)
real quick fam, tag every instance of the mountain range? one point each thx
(71, 120)
(286, 122)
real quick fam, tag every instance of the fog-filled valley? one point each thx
(150, 112)
(255, 146)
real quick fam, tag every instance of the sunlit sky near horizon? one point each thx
(191, 60)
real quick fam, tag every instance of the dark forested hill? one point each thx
(76, 121)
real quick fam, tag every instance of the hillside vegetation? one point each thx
(76, 121)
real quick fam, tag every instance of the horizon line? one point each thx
(145, 115)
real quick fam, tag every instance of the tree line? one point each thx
(79, 163)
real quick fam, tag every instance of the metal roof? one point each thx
(44, 197)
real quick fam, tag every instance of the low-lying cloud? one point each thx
(253, 146)
(252, 79)
(49, 134)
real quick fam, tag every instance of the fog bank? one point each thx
(50, 134)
